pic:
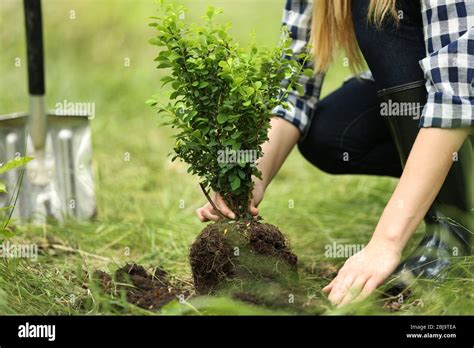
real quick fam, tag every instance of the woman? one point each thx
(417, 104)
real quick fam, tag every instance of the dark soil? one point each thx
(249, 298)
(146, 290)
(395, 298)
(105, 280)
(240, 250)
(322, 269)
(250, 261)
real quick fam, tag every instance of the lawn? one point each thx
(97, 51)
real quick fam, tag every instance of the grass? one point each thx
(141, 215)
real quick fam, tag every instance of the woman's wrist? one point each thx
(424, 173)
(395, 227)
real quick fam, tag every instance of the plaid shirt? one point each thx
(448, 67)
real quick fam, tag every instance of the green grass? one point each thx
(140, 219)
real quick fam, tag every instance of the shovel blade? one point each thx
(60, 186)
(72, 146)
(13, 145)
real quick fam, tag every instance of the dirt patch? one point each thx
(396, 298)
(143, 289)
(247, 261)
(249, 298)
(241, 251)
(105, 280)
(322, 269)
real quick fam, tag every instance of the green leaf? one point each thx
(166, 80)
(155, 41)
(6, 233)
(236, 135)
(238, 80)
(196, 133)
(308, 73)
(174, 56)
(230, 142)
(210, 12)
(151, 102)
(222, 34)
(3, 188)
(203, 84)
(300, 89)
(222, 118)
(164, 65)
(250, 91)
(234, 182)
(14, 163)
(176, 85)
(223, 64)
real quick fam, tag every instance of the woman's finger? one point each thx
(226, 211)
(338, 277)
(200, 216)
(222, 206)
(329, 287)
(355, 289)
(369, 288)
(208, 214)
(253, 208)
(340, 290)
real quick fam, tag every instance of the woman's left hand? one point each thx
(363, 272)
(425, 171)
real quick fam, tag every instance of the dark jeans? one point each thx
(347, 134)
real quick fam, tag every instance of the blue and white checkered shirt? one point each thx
(448, 67)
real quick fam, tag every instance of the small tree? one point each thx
(221, 101)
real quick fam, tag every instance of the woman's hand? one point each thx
(207, 212)
(363, 272)
(425, 171)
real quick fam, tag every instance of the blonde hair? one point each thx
(333, 28)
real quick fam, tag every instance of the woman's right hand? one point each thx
(208, 213)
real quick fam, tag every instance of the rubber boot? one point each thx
(450, 221)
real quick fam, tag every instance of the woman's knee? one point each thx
(322, 153)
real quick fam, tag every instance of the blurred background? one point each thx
(97, 51)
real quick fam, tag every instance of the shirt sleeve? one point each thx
(449, 65)
(297, 17)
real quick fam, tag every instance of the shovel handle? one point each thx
(34, 43)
